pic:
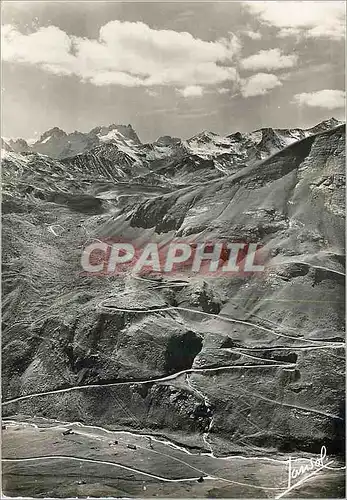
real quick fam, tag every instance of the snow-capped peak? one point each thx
(53, 133)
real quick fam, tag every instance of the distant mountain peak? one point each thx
(204, 135)
(167, 140)
(332, 120)
(329, 123)
(123, 131)
(54, 132)
(5, 145)
(19, 145)
(325, 125)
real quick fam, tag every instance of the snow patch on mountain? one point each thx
(208, 145)
(46, 140)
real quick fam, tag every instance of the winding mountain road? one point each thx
(101, 305)
(148, 381)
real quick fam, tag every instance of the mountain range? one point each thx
(115, 152)
(250, 366)
(56, 143)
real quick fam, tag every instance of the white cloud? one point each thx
(259, 84)
(254, 35)
(191, 91)
(269, 59)
(126, 53)
(47, 47)
(287, 32)
(223, 90)
(317, 19)
(329, 99)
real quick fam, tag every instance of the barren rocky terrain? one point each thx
(217, 377)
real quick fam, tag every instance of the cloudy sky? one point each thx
(172, 68)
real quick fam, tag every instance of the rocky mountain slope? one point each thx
(243, 365)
